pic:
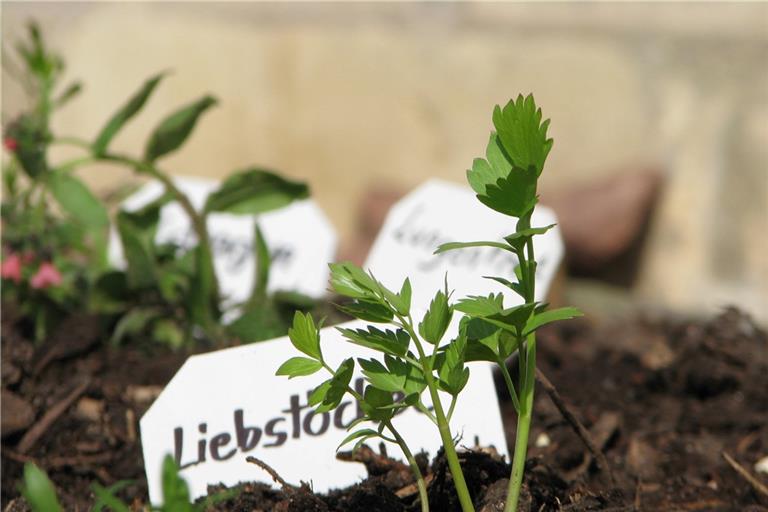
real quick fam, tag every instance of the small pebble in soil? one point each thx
(761, 466)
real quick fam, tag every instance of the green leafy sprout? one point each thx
(413, 357)
(41, 496)
(171, 294)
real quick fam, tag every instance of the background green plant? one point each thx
(168, 294)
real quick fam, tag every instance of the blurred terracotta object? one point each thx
(602, 220)
(372, 211)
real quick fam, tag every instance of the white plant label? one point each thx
(224, 406)
(438, 212)
(301, 240)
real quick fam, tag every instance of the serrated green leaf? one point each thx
(299, 367)
(174, 129)
(124, 114)
(367, 310)
(522, 134)
(436, 320)
(552, 315)
(476, 305)
(515, 287)
(514, 194)
(254, 191)
(349, 280)
(453, 375)
(512, 319)
(38, 490)
(387, 341)
(395, 300)
(364, 434)
(318, 394)
(376, 404)
(338, 386)
(488, 172)
(382, 377)
(482, 339)
(305, 336)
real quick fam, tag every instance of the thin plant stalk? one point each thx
(462, 491)
(420, 482)
(527, 358)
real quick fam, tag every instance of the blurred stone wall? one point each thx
(351, 96)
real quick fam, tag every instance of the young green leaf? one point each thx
(515, 287)
(522, 134)
(452, 246)
(552, 315)
(38, 490)
(453, 375)
(382, 377)
(367, 310)
(299, 367)
(376, 404)
(514, 194)
(514, 318)
(263, 263)
(77, 200)
(70, 92)
(488, 172)
(476, 305)
(389, 342)
(482, 339)
(305, 336)
(124, 114)
(174, 129)
(175, 490)
(138, 248)
(318, 394)
(349, 280)
(255, 191)
(106, 499)
(359, 434)
(436, 320)
(338, 386)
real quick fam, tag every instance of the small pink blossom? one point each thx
(10, 144)
(11, 268)
(47, 275)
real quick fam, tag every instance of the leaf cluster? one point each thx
(403, 370)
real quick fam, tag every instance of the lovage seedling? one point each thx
(414, 358)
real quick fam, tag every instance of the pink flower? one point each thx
(47, 275)
(11, 268)
(10, 144)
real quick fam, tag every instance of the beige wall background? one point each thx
(350, 96)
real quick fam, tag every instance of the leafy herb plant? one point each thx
(169, 293)
(414, 356)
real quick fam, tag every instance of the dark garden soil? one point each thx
(669, 402)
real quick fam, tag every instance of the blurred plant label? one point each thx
(438, 212)
(226, 405)
(301, 240)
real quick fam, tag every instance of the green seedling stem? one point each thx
(442, 421)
